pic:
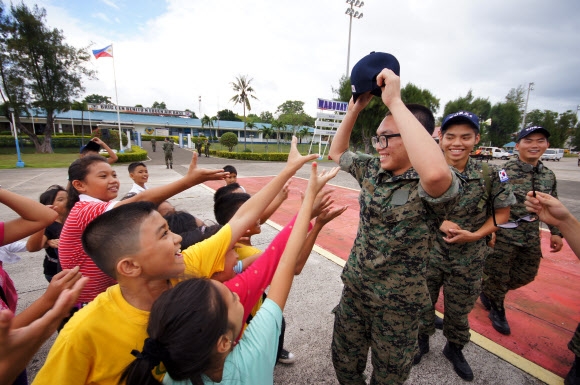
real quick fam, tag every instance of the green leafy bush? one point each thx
(229, 140)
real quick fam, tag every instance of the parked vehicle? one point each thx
(496, 152)
(554, 154)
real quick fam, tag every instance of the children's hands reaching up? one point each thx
(317, 181)
(322, 202)
(329, 214)
(295, 160)
(66, 279)
(199, 175)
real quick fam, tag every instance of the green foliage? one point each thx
(100, 99)
(479, 106)
(228, 115)
(38, 66)
(229, 140)
(413, 94)
(505, 120)
(244, 92)
(161, 105)
(560, 126)
(291, 107)
(79, 106)
(272, 156)
(267, 133)
(266, 117)
(136, 154)
(113, 139)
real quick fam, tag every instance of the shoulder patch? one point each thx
(503, 177)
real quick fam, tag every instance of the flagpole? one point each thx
(117, 99)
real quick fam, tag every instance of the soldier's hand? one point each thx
(556, 243)
(447, 225)
(461, 236)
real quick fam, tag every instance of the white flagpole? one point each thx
(117, 100)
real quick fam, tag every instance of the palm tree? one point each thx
(251, 126)
(267, 133)
(243, 94)
(302, 133)
(278, 126)
(207, 121)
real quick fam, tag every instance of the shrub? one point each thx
(134, 155)
(229, 140)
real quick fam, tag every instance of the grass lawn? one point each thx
(62, 157)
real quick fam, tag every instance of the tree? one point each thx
(566, 124)
(560, 126)
(140, 105)
(505, 120)
(161, 105)
(479, 106)
(191, 113)
(516, 95)
(251, 126)
(267, 133)
(244, 92)
(100, 99)
(229, 140)
(303, 132)
(279, 127)
(291, 107)
(291, 112)
(228, 116)
(266, 117)
(36, 65)
(207, 121)
(81, 106)
(413, 94)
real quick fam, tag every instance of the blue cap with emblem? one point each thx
(460, 117)
(530, 130)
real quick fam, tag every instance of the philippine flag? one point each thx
(105, 52)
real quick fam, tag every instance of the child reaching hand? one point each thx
(193, 327)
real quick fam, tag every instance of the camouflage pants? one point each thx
(508, 268)
(168, 158)
(574, 344)
(461, 287)
(390, 334)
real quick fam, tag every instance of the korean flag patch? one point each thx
(503, 176)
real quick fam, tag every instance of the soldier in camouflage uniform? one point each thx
(456, 260)
(517, 254)
(384, 285)
(168, 151)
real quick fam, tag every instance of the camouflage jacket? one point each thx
(521, 181)
(167, 147)
(388, 259)
(469, 214)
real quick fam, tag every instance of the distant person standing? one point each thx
(153, 143)
(168, 151)
(206, 149)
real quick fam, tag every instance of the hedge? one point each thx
(270, 156)
(135, 155)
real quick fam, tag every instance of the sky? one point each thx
(178, 50)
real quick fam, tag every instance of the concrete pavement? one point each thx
(315, 292)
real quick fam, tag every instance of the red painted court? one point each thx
(542, 315)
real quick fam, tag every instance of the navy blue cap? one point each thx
(530, 130)
(363, 77)
(459, 118)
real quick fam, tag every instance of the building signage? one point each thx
(137, 110)
(324, 132)
(322, 115)
(321, 123)
(334, 105)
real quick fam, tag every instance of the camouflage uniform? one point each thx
(574, 344)
(168, 151)
(517, 253)
(153, 143)
(384, 285)
(459, 267)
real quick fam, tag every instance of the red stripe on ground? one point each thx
(542, 315)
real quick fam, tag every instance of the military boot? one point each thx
(423, 348)
(573, 377)
(498, 321)
(485, 301)
(454, 354)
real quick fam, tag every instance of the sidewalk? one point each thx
(314, 294)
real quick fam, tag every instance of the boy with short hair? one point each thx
(232, 177)
(133, 244)
(139, 174)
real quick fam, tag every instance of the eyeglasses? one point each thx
(382, 140)
(510, 225)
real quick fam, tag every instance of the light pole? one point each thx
(19, 162)
(252, 139)
(357, 15)
(530, 88)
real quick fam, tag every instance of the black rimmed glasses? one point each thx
(382, 140)
(533, 169)
(514, 224)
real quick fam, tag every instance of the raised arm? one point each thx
(250, 211)
(34, 216)
(341, 140)
(112, 155)
(424, 153)
(272, 207)
(193, 177)
(282, 281)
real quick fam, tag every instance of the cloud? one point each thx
(102, 16)
(110, 4)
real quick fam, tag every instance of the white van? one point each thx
(496, 152)
(554, 154)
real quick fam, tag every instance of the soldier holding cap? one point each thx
(401, 189)
(517, 254)
(456, 260)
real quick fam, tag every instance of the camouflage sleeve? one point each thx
(451, 193)
(506, 198)
(553, 229)
(354, 164)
